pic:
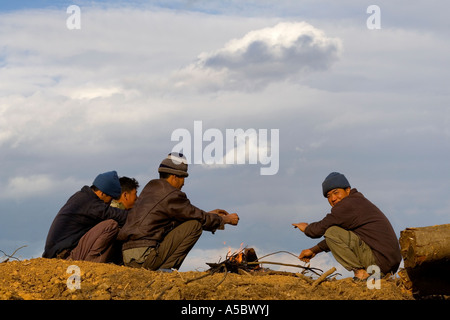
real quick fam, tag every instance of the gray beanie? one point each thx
(109, 184)
(175, 163)
(334, 180)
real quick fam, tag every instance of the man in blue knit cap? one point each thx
(86, 227)
(356, 232)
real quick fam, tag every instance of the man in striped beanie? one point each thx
(163, 225)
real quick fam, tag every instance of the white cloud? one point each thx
(279, 53)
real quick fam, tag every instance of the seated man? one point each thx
(128, 196)
(356, 232)
(86, 226)
(163, 226)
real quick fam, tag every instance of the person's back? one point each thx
(163, 225)
(159, 209)
(81, 213)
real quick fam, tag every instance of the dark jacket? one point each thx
(356, 213)
(81, 212)
(159, 209)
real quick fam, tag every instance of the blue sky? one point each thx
(372, 104)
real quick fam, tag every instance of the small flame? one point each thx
(238, 258)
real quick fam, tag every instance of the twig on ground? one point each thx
(323, 277)
(11, 256)
(223, 279)
(198, 278)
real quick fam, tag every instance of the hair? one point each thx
(165, 175)
(128, 184)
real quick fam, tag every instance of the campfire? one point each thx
(246, 260)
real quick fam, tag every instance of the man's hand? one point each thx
(228, 218)
(306, 255)
(231, 218)
(301, 226)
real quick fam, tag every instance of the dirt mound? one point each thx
(52, 279)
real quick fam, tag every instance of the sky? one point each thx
(335, 87)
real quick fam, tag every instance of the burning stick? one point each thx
(247, 260)
(239, 260)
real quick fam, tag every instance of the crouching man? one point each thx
(163, 225)
(356, 232)
(86, 227)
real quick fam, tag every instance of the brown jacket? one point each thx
(159, 209)
(356, 213)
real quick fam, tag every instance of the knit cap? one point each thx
(333, 181)
(175, 163)
(109, 184)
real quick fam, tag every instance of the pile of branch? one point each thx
(246, 260)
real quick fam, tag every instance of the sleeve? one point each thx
(317, 229)
(323, 246)
(343, 215)
(102, 211)
(180, 208)
(117, 214)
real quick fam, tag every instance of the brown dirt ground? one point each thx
(46, 279)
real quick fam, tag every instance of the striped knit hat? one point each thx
(175, 163)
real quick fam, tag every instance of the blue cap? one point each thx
(109, 184)
(333, 181)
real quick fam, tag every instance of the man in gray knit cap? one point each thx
(163, 225)
(356, 232)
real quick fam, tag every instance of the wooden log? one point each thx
(426, 256)
(323, 277)
(425, 244)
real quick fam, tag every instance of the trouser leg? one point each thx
(348, 249)
(97, 244)
(174, 248)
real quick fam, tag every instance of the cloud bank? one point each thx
(284, 52)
